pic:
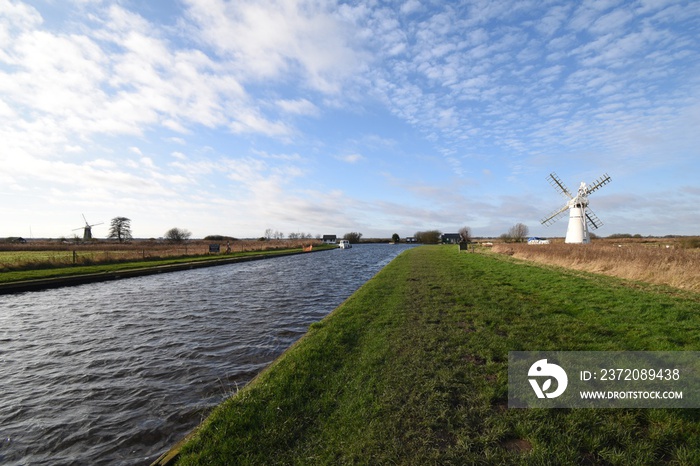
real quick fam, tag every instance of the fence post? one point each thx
(74, 257)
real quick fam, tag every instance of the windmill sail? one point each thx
(554, 216)
(593, 220)
(597, 184)
(558, 185)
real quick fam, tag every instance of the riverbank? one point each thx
(662, 264)
(412, 369)
(34, 280)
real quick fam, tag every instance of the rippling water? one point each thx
(117, 372)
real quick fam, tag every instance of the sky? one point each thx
(328, 117)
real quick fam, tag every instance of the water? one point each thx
(117, 372)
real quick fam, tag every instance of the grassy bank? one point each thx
(38, 273)
(412, 369)
(663, 264)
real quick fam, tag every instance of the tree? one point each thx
(465, 234)
(269, 234)
(395, 238)
(353, 237)
(428, 237)
(177, 235)
(120, 229)
(518, 232)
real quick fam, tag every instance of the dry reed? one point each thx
(52, 254)
(657, 264)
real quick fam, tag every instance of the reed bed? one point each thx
(658, 264)
(42, 255)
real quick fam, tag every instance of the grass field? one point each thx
(412, 369)
(52, 254)
(660, 262)
(46, 261)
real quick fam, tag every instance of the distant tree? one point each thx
(428, 237)
(518, 232)
(270, 234)
(177, 235)
(353, 237)
(396, 238)
(465, 234)
(301, 235)
(120, 229)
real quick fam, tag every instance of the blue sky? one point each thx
(324, 117)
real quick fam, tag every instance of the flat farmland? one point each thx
(54, 256)
(18, 259)
(672, 262)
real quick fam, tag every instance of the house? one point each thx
(410, 239)
(329, 239)
(450, 238)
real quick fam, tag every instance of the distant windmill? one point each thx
(87, 229)
(580, 216)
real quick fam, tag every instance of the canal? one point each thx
(117, 372)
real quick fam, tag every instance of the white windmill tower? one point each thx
(580, 216)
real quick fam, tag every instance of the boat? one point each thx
(344, 244)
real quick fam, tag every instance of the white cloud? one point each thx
(410, 6)
(6, 111)
(14, 17)
(252, 123)
(613, 22)
(278, 39)
(298, 107)
(177, 140)
(350, 158)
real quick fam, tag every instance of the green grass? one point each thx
(19, 257)
(116, 266)
(412, 369)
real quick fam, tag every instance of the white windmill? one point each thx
(580, 216)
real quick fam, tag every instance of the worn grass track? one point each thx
(412, 369)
